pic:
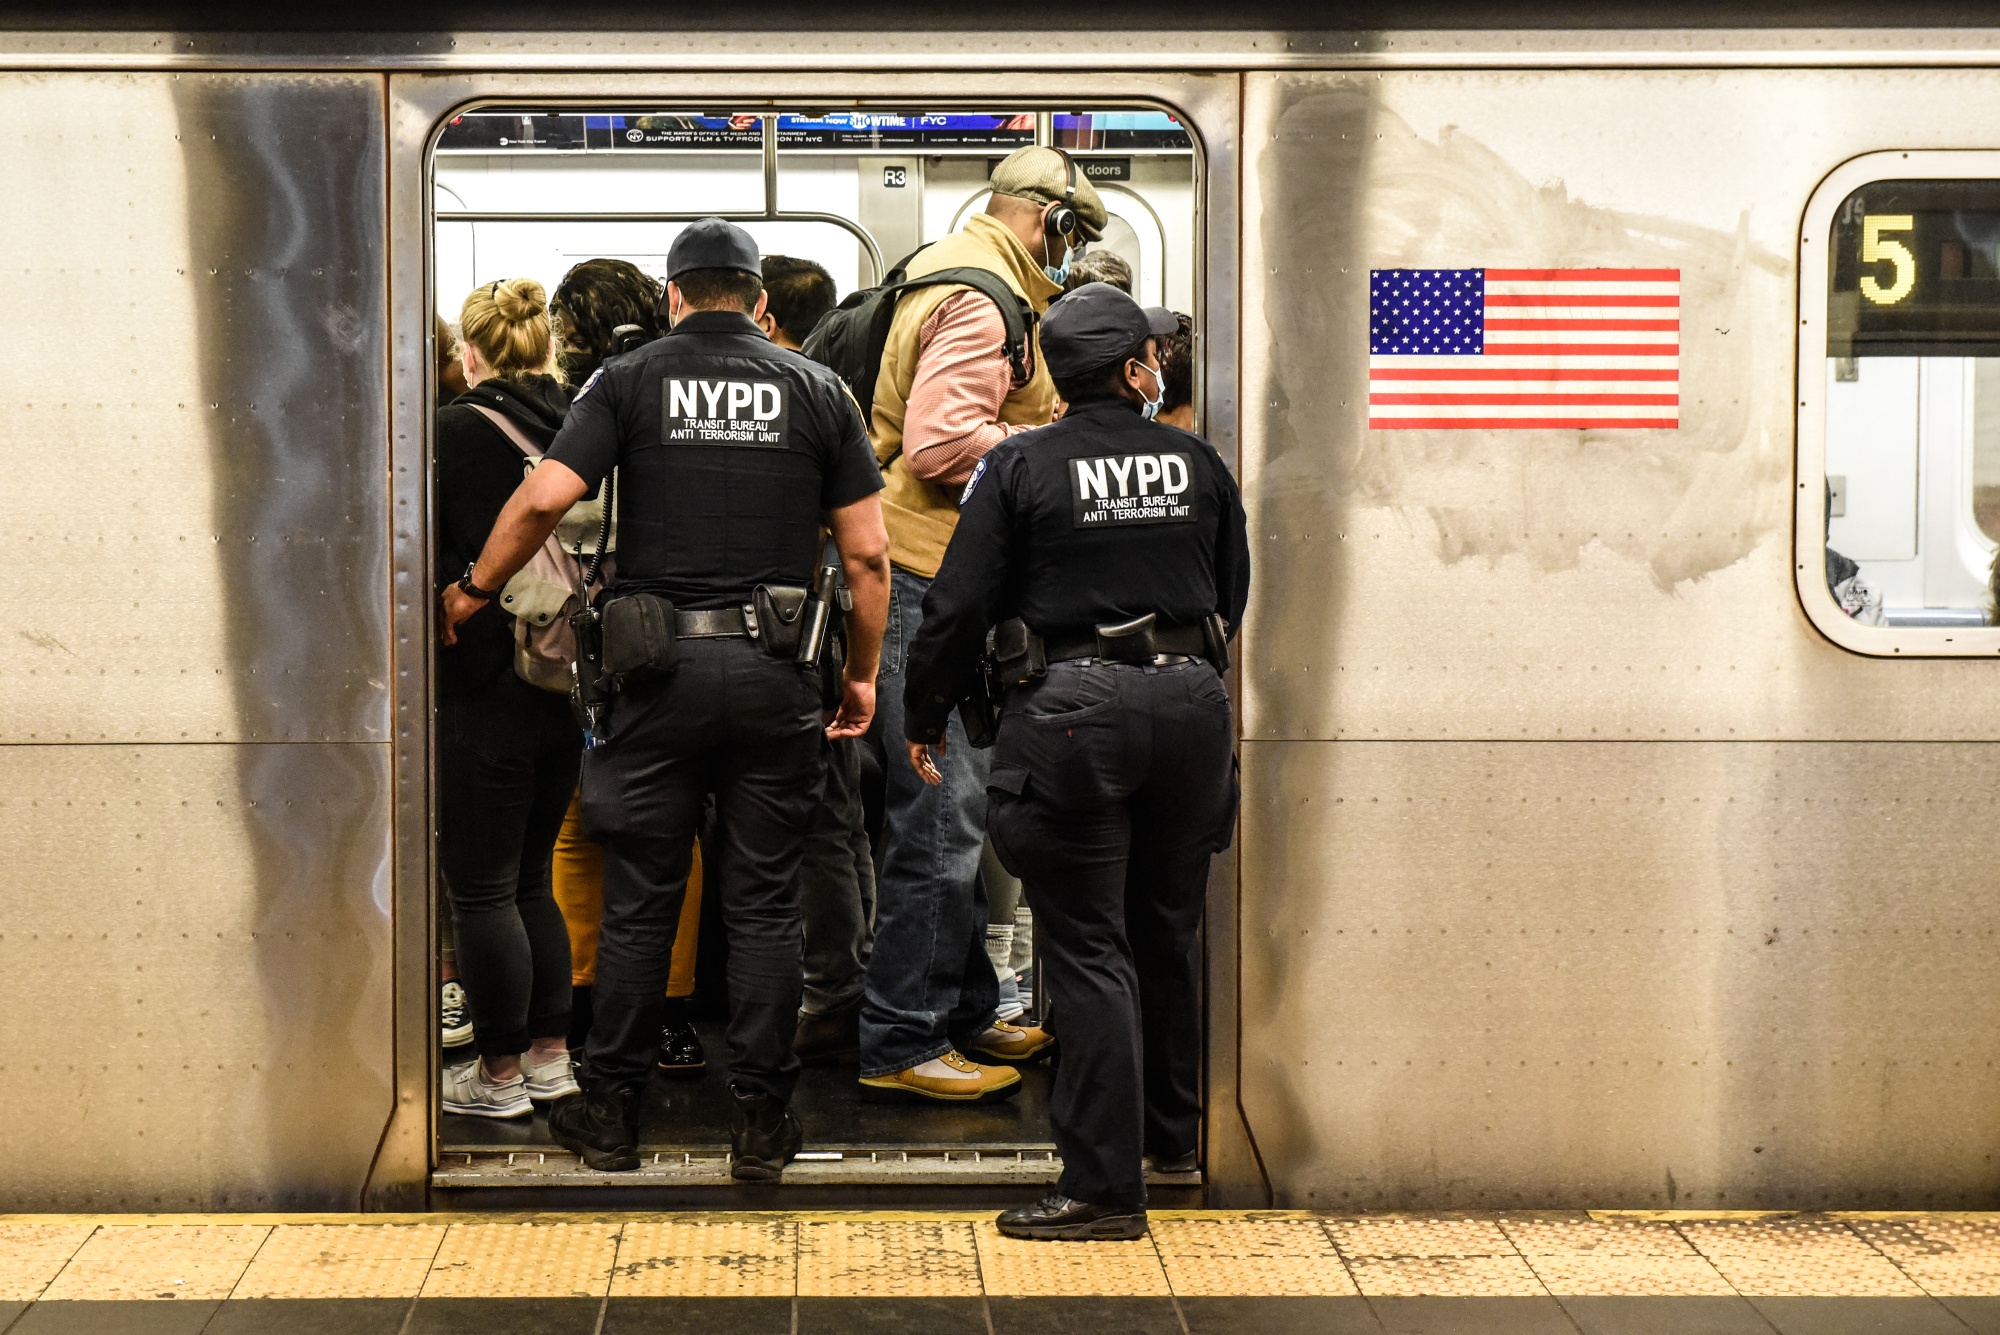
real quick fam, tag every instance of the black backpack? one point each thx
(851, 337)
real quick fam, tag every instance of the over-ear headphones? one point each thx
(1061, 218)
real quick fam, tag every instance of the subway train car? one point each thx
(1618, 416)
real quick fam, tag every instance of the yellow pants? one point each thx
(579, 886)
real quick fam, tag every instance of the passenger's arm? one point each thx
(1232, 554)
(531, 514)
(962, 378)
(863, 540)
(962, 604)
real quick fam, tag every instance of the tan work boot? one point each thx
(967, 1082)
(1012, 1044)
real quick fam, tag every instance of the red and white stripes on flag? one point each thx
(1524, 348)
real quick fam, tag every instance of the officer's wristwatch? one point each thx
(473, 590)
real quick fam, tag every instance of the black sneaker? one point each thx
(680, 1050)
(763, 1136)
(454, 1017)
(1057, 1218)
(599, 1126)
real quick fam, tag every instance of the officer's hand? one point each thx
(923, 759)
(458, 605)
(856, 712)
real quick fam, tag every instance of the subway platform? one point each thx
(949, 1273)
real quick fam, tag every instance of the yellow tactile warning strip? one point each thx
(356, 1260)
(525, 1259)
(712, 1256)
(173, 1261)
(1191, 1253)
(1249, 1256)
(887, 1259)
(33, 1254)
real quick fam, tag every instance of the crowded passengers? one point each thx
(685, 579)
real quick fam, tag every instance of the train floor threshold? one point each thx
(1270, 1272)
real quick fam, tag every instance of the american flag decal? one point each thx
(1523, 348)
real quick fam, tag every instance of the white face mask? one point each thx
(1152, 408)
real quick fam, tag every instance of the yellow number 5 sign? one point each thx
(1875, 250)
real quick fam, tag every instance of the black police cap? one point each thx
(713, 244)
(1095, 326)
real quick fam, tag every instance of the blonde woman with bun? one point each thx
(508, 752)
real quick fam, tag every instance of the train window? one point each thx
(1899, 390)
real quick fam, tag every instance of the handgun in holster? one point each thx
(823, 640)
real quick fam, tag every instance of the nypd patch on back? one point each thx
(1131, 489)
(695, 411)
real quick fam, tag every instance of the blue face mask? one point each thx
(1059, 274)
(1152, 408)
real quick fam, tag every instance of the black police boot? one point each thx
(1057, 1218)
(599, 1126)
(1187, 1161)
(824, 1040)
(680, 1047)
(763, 1135)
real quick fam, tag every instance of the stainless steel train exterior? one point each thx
(1575, 866)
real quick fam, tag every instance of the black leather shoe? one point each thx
(1186, 1162)
(824, 1040)
(1057, 1218)
(763, 1136)
(680, 1051)
(599, 1126)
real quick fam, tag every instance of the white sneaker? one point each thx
(454, 1016)
(468, 1091)
(551, 1079)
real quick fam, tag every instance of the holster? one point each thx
(638, 638)
(1018, 655)
(591, 686)
(778, 611)
(1215, 639)
(979, 711)
(1128, 641)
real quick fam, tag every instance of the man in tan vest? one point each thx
(946, 395)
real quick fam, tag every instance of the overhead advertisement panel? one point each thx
(498, 130)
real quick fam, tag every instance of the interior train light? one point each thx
(1875, 250)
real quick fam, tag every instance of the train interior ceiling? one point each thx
(532, 191)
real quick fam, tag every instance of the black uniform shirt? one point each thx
(729, 449)
(1096, 519)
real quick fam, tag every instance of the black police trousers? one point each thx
(1112, 786)
(735, 723)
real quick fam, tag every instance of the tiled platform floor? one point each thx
(1201, 1273)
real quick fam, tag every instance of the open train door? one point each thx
(522, 174)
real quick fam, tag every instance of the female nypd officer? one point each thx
(1119, 545)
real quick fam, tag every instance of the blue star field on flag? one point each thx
(1441, 312)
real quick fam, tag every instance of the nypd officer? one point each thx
(732, 454)
(1108, 554)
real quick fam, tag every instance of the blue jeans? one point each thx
(931, 987)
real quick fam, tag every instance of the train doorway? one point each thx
(532, 189)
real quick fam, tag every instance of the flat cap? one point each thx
(1042, 175)
(713, 244)
(1097, 325)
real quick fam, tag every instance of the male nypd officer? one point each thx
(1119, 546)
(731, 454)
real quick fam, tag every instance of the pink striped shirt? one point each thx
(962, 378)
